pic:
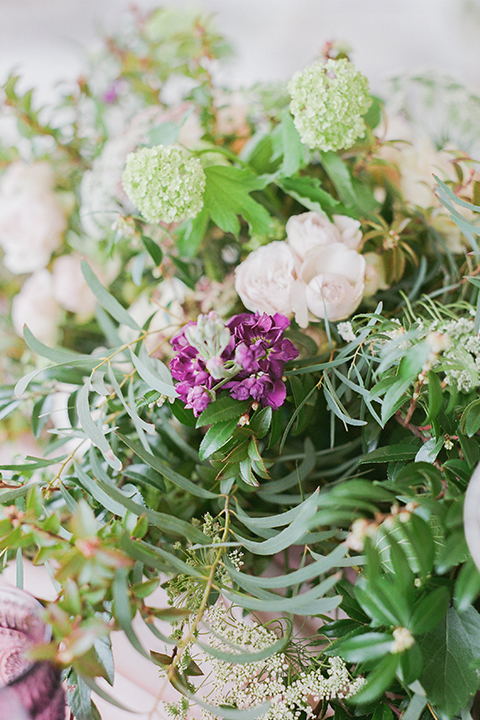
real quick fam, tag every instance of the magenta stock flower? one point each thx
(246, 356)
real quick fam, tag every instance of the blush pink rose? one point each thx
(331, 284)
(265, 279)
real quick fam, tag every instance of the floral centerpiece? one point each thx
(241, 362)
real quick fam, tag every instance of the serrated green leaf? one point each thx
(449, 651)
(227, 195)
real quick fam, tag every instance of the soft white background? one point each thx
(46, 39)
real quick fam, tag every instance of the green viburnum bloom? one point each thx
(165, 183)
(328, 101)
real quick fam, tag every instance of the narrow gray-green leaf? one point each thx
(98, 494)
(288, 536)
(166, 471)
(92, 430)
(107, 301)
(244, 658)
(150, 375)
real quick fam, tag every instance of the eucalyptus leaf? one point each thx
(106, 300)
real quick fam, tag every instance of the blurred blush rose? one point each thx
(375, 275)
(32, 218)
(331, 283)
(70, 288)
(35, 306)
(232, 115)
(265, 278)
(310, 230)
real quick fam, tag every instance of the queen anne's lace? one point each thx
(165, 183)
(328, 101)
(244, 685)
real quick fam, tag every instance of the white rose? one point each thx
(32, 219)
(332, 277)
(350, 231)
(70, 288)
(310, 230)
(265, 279)
(36, 307)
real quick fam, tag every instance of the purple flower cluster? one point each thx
(251, 365)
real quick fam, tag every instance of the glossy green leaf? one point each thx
(216, 436)
(390, 453)
(470, 420)
(378, 681)
(368, 646)
(224, 408)
(467, 586)
(429, 611)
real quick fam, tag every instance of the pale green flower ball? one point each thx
(165, 183)
(328, 101)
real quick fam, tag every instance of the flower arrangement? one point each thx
(240, 372)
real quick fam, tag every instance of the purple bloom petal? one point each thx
(256, 345)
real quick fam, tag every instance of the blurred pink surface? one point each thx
(137, 683)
